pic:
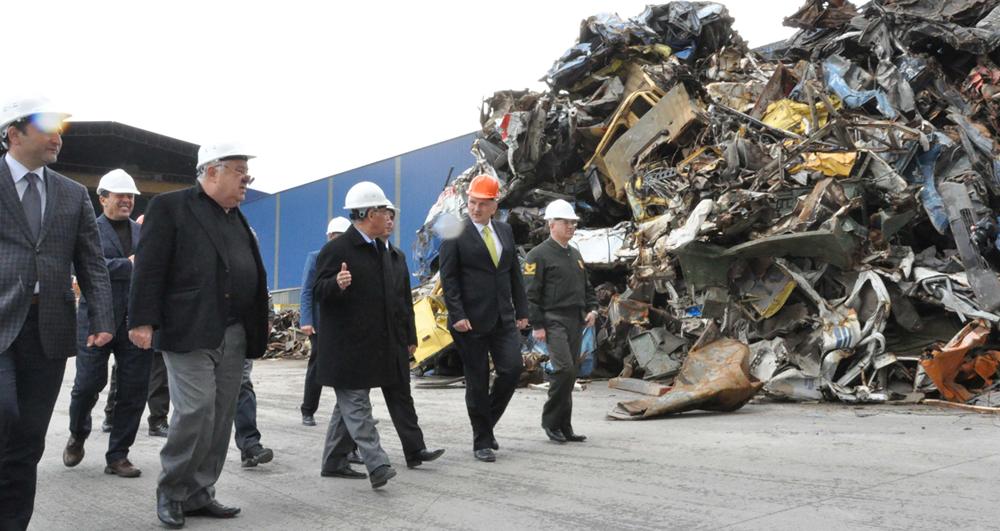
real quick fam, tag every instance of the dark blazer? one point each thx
(360, 343)
(68, 238)
(404, 318)
(119, 270)
(181, 278)
(474, 288)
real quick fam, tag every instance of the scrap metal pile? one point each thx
(821, 212)
(286, 339)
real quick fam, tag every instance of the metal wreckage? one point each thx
(815, 219)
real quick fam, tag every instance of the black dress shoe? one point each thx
(214, 509)
(346, 472)
(308, 420)
(554, 435)
(382, 475)
(159, 430)
(169, 512)
(73, 453)
(424, 455)
(485, 454)
(574, 437)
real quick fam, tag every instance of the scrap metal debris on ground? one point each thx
(826, 207)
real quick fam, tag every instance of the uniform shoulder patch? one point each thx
(529, 268)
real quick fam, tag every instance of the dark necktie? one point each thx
(32, 203)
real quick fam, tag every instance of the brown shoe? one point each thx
(73, 453)
(123, 468)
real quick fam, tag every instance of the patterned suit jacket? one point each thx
(68, 240)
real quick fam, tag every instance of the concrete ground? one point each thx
(766, 466)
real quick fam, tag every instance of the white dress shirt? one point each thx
(18, 171)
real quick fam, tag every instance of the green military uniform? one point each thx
(559, 298)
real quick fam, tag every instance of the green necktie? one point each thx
(488, 238)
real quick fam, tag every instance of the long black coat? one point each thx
(361, 341)
(181, 281)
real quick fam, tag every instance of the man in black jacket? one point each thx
(361, 343)
(200, 284)
(119, 237)
(484, 293)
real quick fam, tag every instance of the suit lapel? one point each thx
(478, 242)
(201, 212)
(108, 232)
(10, 201)
(136, 229)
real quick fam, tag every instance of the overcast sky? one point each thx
(314, 88)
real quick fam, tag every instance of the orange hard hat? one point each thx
(484, 187)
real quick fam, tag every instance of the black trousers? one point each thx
(158, 397)
(246, 434)
(312, 390)
(132, 380)
(486, 406)
(29, 387)
(563, 337)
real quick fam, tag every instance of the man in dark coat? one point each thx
(46, 228)
(199, 282)
(360, 344)
(484, 293)
(119, 237)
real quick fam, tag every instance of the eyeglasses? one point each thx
(243, 173)
(568, 222)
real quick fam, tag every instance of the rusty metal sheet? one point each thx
(715, 377)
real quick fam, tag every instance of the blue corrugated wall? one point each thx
(291, 223)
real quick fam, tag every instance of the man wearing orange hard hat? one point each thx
(484, 293)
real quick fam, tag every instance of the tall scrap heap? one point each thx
(829, 202)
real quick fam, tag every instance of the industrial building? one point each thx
(291, 223)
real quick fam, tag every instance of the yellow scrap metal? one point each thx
(431, 320)
(829, 164)
(793, 116)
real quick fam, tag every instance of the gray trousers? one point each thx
(204, 385)
(351, 423)
(563, 337)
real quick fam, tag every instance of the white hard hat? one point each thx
(212, 152)
(366, 194)
(560, 209)
(117, 182)
(338, 224)
(15, 110)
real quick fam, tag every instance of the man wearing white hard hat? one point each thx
(560, 304)
(359, 345)
(47, 227)
(199, 295)
(119, 237)
(308, 317)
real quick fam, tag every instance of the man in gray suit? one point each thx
(46, 227)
